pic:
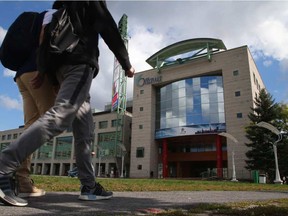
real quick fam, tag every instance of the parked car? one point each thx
(73, 172)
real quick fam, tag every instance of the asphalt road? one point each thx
(130, 203)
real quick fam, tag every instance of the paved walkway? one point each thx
(131, 203)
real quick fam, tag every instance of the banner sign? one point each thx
(190, 130)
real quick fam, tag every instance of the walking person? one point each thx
(74, 73)
(35, 103)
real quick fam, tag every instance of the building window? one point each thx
(141, 91)
(235, 73)
(107, 142)
(114, 122)
(141, 109)
(106, 138)
(15, 136)
(140, 152)
(237, 93)
(103, 124)
(9, 137)
(139, 167)
(140, 126)
(196, 102)
(239, 115)
(63, 147)
(3, 146)
(45, 151)
(3, 137)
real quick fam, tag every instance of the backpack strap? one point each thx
(77, 12)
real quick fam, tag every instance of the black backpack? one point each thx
(19, 41)
(63, 36)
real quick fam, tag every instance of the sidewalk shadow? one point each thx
(68, 204)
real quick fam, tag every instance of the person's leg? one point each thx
(35, 103)
(83, 131)
(44, 96)
(74, 89)
(30, 110)
(31, 114)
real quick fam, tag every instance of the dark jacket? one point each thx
(95, 19)
(30, 65)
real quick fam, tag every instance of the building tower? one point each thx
(119, 99)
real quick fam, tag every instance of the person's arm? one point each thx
(130, 73)
(106, 26)
(37, 81)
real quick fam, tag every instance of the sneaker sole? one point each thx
(25, 195)
(10, 201)
(93, 197)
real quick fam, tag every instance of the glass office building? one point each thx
(196, 90)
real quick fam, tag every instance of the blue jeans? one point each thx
(72, 107)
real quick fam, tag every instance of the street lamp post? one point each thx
(227, 135)
(123, 152)
(122, 167)
(233, 167)
(278, 133)
(99, 165)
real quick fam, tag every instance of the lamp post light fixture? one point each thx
(278, 133)
(229, 136)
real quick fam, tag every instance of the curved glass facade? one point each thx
(190, 106)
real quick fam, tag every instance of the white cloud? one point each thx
(2, 34)
(101, 89)
(10, 103)
(153, 25)
(8, 73)
(284, 65)
(140, 51)
(262, 25)
(267, 63)
(272, 35)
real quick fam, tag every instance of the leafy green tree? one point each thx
(260, 154)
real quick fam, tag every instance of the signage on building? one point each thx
(115, 85)
(141, 81)
(214, 128)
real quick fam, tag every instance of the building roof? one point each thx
(196, 47)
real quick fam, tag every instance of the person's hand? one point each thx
(37, 80)
(130, 72)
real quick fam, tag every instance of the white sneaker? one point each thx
(7, 194)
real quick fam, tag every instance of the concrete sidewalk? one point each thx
(131, 203)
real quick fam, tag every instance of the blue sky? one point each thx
(153, 25)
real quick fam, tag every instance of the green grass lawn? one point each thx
(278, 207)
(64, 183)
